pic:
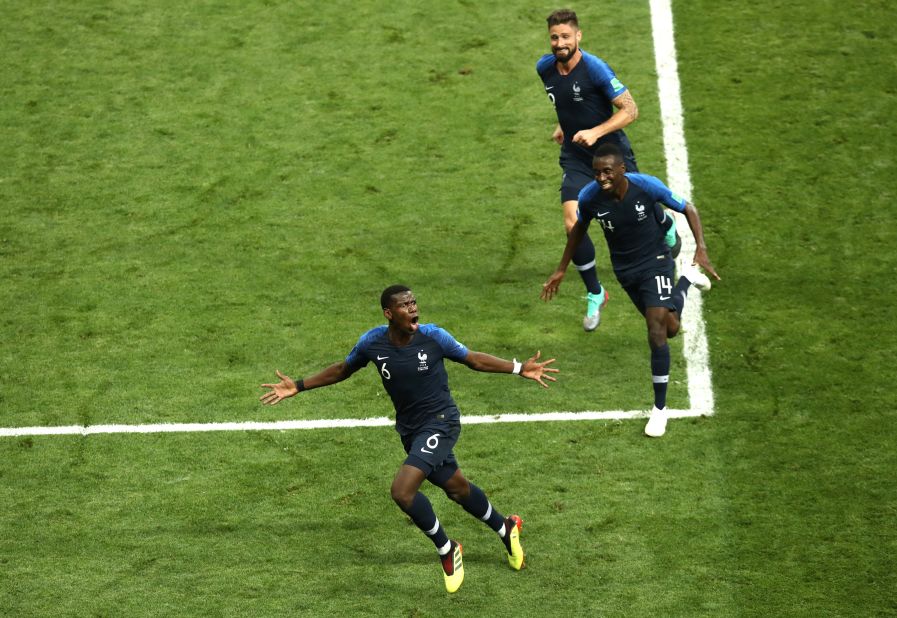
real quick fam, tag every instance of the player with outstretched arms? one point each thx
(409, 356)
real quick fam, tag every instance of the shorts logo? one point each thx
(422, 361)
(432, 443)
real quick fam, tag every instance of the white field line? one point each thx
(80, 430)
(700, 390)
(694, 335)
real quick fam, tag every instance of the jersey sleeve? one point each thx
(603, 77)
(586, 203)
(659, 191)
(357, 358)
(543, 64)
(451, 348)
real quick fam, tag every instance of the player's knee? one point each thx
(458, 495)
(570, 216)
(401, 496)
(657, 335)
(458, 489)
(673, 325)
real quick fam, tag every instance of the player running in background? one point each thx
(409, 358)
(626, 207)
(592, 107)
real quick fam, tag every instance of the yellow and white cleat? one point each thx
(453, 568)
(513, 524)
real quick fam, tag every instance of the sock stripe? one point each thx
(434, 529)
(586, 266)
(445, 548)
(660, 379)
(488, 513)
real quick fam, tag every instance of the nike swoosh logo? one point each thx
(664, 298)
(548, 87)
(381, 357)
(601, 214)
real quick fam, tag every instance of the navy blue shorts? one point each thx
(651, 287)
(430, 449)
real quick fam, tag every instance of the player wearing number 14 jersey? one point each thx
(626, 207)
(410, 359)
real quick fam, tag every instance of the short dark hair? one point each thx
(388, 293)
(609, 149)
(563, 16)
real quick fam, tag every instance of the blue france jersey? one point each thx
(631, 226)
(414, 375)
(582, 99)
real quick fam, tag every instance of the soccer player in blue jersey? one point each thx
(627, 207)
(592, 107)
(409, 356)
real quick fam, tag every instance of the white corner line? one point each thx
(694, 332)
(338, 423)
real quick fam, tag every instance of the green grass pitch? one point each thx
(195, 194)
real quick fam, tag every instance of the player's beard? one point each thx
(568, 56)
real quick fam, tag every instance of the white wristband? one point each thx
(517, 367)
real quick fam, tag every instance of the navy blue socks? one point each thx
(422, 514)
(584, 262)
(478, 505)
(680, 294)
(660, 374)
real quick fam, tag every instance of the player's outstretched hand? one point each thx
(703, 261)
(280, 391)
(534, 370)
(550, 287)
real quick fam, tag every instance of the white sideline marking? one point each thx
(382, 421)
(694, 334)
(697, 358)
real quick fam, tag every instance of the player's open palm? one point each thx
(534, 370)
(280, 391)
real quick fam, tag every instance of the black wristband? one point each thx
(300, 385)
